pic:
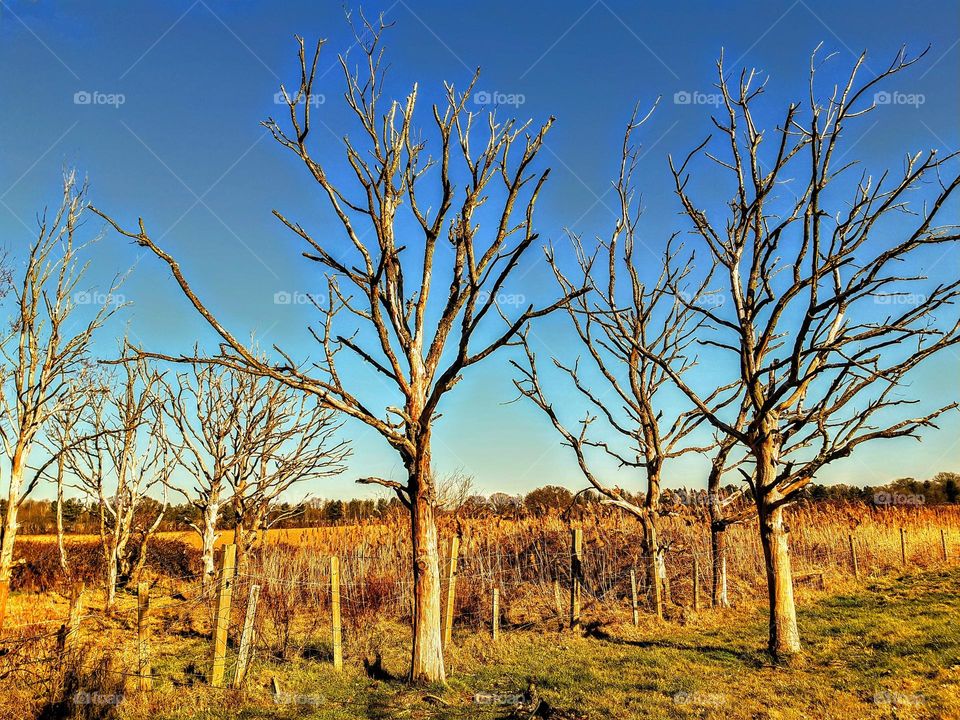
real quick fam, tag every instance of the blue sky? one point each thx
(177, 91)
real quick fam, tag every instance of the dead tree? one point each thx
(827, 313)
(124, 457)
(282, 439)
(203, 409)
(724, 511)
(46, 344)
(619, 322)
(426, 331)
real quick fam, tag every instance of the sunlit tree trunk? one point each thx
(426, 663)
(652, 562)
(784, 634)
(9, 530)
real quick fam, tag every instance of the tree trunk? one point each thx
(784, 635)
(208, 537)
(61, 545)
(241, 540)
(111, 580)
(9, 531)
(653, 562)
(426, 664)
(718, 556)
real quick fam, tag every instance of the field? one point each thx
(883, 644)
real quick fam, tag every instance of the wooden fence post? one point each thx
(943, 543)
(853, 557)
(633, 597)
(724, 600)
(335, 613)
(221, 622)
(76, 610)
(246, 637)
(576, 574)
(145, 679)
(495, 623)
(696, 584)
(451, 590)
(903, 547)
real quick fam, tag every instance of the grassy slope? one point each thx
(890, 649)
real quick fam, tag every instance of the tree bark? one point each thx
(784, 635)
(653, 562)
(9, 531)
(426, 664)
(208, 537)
(718, 556)
(111, 579)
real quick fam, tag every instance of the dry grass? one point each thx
(708, 655)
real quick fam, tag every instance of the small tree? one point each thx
(124, 456)
(282, 438)
(46, 345)
(621, 323)
(204, 409)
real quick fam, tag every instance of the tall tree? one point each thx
(47, 343)
(620, 323)
(828, 310)
(425, 334)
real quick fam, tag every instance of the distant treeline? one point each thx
(38, 517)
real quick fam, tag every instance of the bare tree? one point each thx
(620, 323)
(204, 409)
(124, 457)
(47, 343)
(61, 435)
(827, 314)
(724, 510)
(283, 438)
(423, 339)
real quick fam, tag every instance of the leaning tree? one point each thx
(420, 285)
(829, 309)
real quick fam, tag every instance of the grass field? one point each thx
(888, 648)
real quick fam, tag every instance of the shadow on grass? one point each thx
(752, 659)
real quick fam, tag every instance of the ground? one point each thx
(889, 648)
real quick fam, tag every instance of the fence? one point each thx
(288, 602)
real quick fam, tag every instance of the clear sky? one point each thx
(159, 105)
